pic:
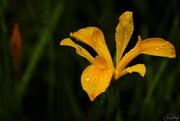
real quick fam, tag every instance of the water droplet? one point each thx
(157, 48)
(125, 35)
(85, 53)
(129, 29)
(94, 39)
(87, 79)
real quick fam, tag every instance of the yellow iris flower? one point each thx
(96, 77)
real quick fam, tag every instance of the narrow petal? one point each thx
(94, 37)
(151, 46)
(128, 57)
(158, 47)
(139, 68)
(79, 50)
(123, 34)
(95, 80)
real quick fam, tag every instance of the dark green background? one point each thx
(48, 87)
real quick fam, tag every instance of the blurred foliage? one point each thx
(48, 87)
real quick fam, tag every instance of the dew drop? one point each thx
(87, 79)
(85, 53)
(94, 39)
(129, 29)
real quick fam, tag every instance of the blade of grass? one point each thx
(38, 50)
(164, 20)
(51, 81)
(60, 90)
(32, 13)
(119, 117)
(152, 87)
(7, 97)
(72, 99)
(159, 72)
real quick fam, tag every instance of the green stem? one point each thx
(113, 106)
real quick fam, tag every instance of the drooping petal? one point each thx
(94, 37)
(151, 46)
(158, 47)
(84, 35)
(139, 68)
(95, 80)
(80, 50)
(123, 34)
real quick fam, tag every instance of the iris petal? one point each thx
(79, 50)
(128, 57)
(94, 37)
(151, 46)
(123, 34)
(158, 47)
(95, 80)
(139, 68)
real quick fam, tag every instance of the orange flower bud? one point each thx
(15, 45)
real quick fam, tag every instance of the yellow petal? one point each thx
(127, 58)
(123, 34)
(139, 68)
(158, 47)
(94, 37)
(95, 80)
(101, 62)
(84, 35)
(79, 50)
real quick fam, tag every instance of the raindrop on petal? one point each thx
(87, 79)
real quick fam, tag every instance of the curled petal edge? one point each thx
(79, 50)
(139, 68)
